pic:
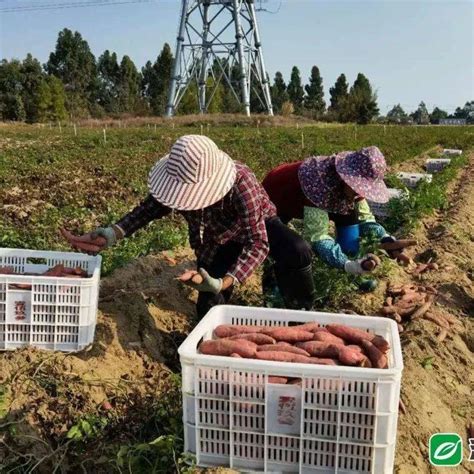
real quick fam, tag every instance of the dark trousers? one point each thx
(288, 250)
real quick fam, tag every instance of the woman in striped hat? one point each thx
(335, 188)
(232, 224)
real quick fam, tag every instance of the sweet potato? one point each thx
(289, 334)
(356, 336)
(421, 311)
(323, 361)
(277, 379)
(433, 266)
(403, 260)
(256, 337)
(320, 349)
(365, 362)
(278, 348)
(295, 382)
(388, 301)
(421, 268)
(396, 317)
(437, 319)
(328, 337)
(377, 358)
(398, 244)
(387, 310)
(355, 347)
(229, 330)
(226, 347)
(349, 356)
(441, 336)
(276, 356)
(7, 270)
(311, 327)
(400, 328)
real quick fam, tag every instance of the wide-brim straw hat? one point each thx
(322, 178)
(194, 175)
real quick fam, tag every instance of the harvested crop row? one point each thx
(309, 343)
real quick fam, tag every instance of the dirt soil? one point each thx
(144, 314)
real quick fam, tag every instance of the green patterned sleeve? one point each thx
(316, 224)
(364, 212)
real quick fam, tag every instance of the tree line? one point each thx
(74, 84)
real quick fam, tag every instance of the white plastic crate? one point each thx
(410, 180)
(379, 209)
(452, 152)
(435, 165)
(340, 420)
(56, 313)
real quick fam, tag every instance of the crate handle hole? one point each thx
(36, 261)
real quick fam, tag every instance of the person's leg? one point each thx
(225, 257)
(293, 257)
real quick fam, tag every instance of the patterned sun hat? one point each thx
(194, 175)
(322, 178)
(364, 171)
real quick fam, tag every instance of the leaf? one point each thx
(86, 427)
(445, 450)
(74, 433)
(427, 363)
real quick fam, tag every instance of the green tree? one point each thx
(189, 103)
(109, 74)
(217, 102)
(51, 100)
(32, 76)
(467, 112)
(295, 90)
(128, 86)
(397, 115)
(362, 102)
(156, 79)
(339, 97)
(421, 115)
(279, 92)
(437, 115)
(11, 90)
(314, 100)
(73, 63)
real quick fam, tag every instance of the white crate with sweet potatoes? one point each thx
(270, 390)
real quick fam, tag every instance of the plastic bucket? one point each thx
(348, 238)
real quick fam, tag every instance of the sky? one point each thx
(411, 50)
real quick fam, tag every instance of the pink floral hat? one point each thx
(322, 178)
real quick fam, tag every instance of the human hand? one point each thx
(90, 243)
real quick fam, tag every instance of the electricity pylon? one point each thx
(219, 39)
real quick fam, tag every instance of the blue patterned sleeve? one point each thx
(330, 252)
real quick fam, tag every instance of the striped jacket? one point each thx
(239, 217)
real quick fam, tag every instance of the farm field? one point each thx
(116, 408)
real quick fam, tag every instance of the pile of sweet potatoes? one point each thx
(310, 343)
(411, 302)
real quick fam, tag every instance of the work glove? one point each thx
(93, 242)
(206, 283)
(363, 265)
(108, 233)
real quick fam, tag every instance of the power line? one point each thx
(64, 5)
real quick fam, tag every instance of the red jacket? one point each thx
(283, 186)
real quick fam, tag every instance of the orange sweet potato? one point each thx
(377, 358)
(275, 356)
(277, 379)
(229, 330)
(226, 347)
(323, 361)
(289, 334)
(279, 348)
(311, 327)
(320, 349)
(356, 336)
(328, 337)
(349, 356)
(256, 337)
